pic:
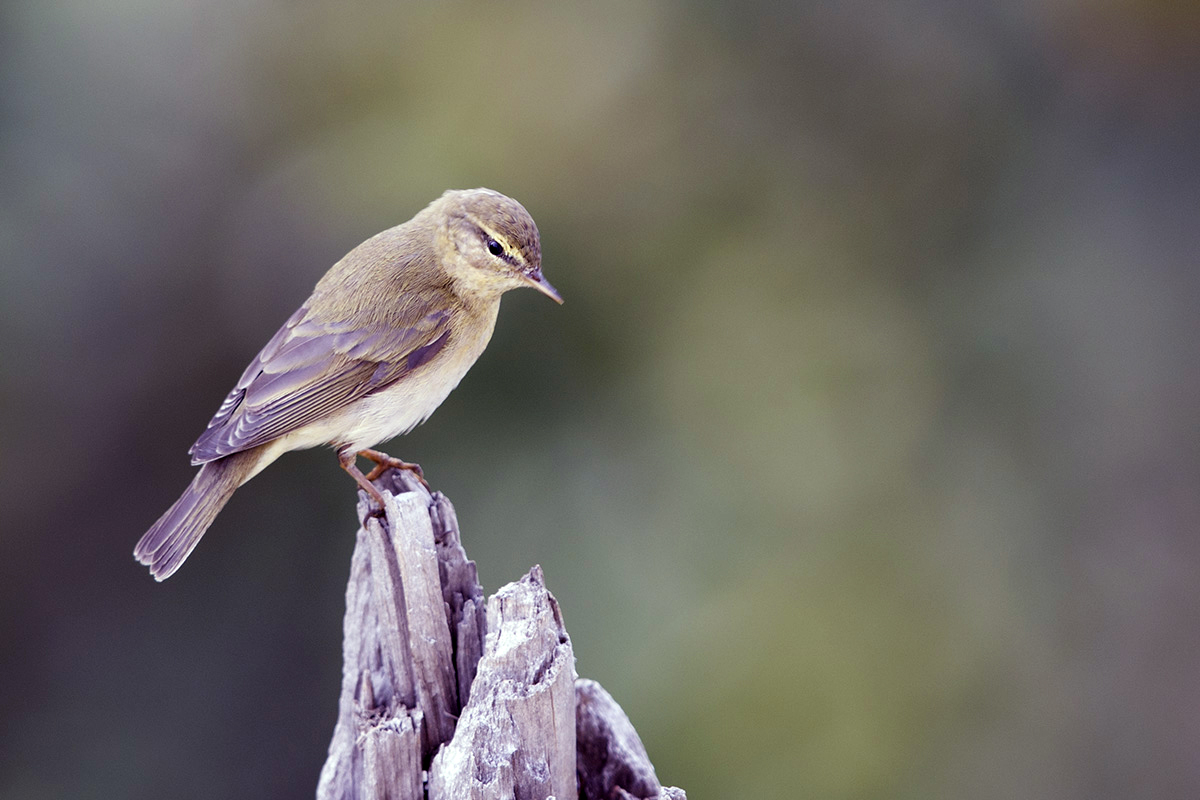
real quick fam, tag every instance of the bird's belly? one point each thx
(397, 409)
(393, 411)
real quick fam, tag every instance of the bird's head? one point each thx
(494, 242)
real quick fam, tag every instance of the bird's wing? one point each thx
(312, 368)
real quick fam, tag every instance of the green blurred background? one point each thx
(862, 458)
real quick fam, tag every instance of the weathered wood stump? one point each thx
(445, 697)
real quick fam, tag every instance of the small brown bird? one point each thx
(388, 332)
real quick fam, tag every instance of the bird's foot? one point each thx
(384, 462)
(347, 462)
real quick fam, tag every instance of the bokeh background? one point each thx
(863, 456)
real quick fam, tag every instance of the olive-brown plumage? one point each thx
(388, 332)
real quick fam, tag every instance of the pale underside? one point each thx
(352, 388)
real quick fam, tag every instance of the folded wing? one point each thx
(312, 368)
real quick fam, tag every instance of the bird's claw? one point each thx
(384, 462)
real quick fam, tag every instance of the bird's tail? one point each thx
(171, 540)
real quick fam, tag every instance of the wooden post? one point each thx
(445, 697)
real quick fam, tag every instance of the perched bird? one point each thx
(388, 332)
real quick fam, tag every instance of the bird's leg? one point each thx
(346, 459)
(384, 462)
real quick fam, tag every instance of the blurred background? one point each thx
(862, 458)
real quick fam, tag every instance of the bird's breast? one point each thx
(410, 400)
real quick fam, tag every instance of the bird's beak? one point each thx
(537, 281)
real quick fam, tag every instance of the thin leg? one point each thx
(384, 462)
(346, 459)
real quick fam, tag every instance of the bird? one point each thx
(386, 335)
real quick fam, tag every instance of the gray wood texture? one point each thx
(446, 697)
(610, 760)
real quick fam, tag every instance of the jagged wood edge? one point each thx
(397, 708)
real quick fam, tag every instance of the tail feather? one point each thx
(171, 540)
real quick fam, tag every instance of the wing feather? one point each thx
(312, 368)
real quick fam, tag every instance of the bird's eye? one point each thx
(495, 248)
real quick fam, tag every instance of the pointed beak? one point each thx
(537, 281)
